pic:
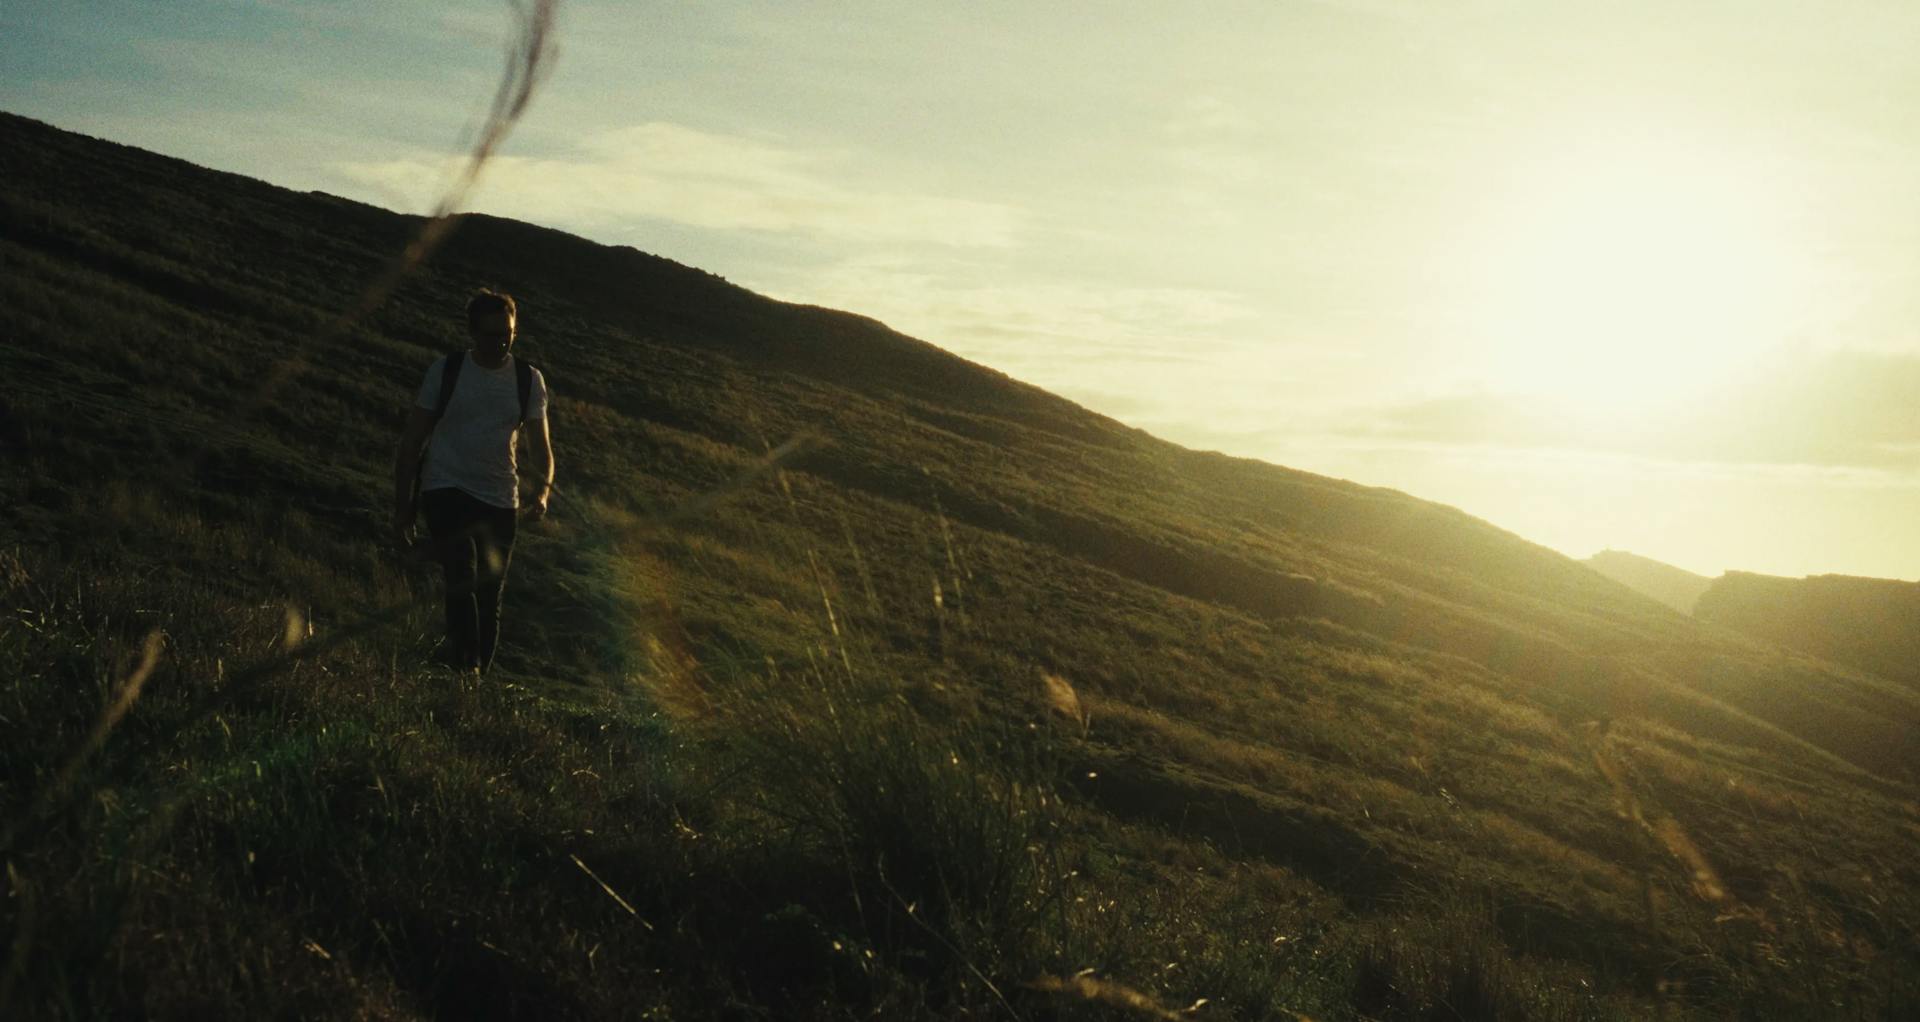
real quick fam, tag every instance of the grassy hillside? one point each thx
(848, 678)
(1869, 623)
(1672, 586)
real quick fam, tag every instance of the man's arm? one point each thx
(406, 467)
(540, 460)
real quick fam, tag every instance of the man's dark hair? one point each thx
(488, 302)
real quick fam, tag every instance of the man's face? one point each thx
(492, 335)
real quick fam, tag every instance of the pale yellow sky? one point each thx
(1633, 275)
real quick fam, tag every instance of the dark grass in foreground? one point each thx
(358, 835)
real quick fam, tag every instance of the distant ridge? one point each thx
(1675, 587)
(1869, 623)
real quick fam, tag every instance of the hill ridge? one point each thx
(1870, 624)
(1675, 587)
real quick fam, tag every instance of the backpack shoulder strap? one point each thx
(523, 369)
(449, 374)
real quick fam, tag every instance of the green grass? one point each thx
(775, 742)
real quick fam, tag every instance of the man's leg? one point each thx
(453, 518)
(494, 550)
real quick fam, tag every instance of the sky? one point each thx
(1635, 275)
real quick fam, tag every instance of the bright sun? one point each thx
(1631, 274)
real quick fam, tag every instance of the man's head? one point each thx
(491, 321)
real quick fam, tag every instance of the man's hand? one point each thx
(541, 461)
(401, 529)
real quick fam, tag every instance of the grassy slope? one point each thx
(1872, 624)
(1670, 585)
(1349, 752)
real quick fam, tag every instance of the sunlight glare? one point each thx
(1631, 273)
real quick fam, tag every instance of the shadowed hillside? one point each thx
(1869, 623)
(848, 678)
(1672, 586)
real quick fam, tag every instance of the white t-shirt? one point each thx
(472, 448)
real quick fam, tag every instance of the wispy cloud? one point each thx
(1025, 318)
(1213, 148)
(1087, 338)
(671, 172)
(1839, 410)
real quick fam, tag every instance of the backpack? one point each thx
(450, 372)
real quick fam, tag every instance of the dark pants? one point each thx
(473, 541)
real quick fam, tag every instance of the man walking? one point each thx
(473, 406)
